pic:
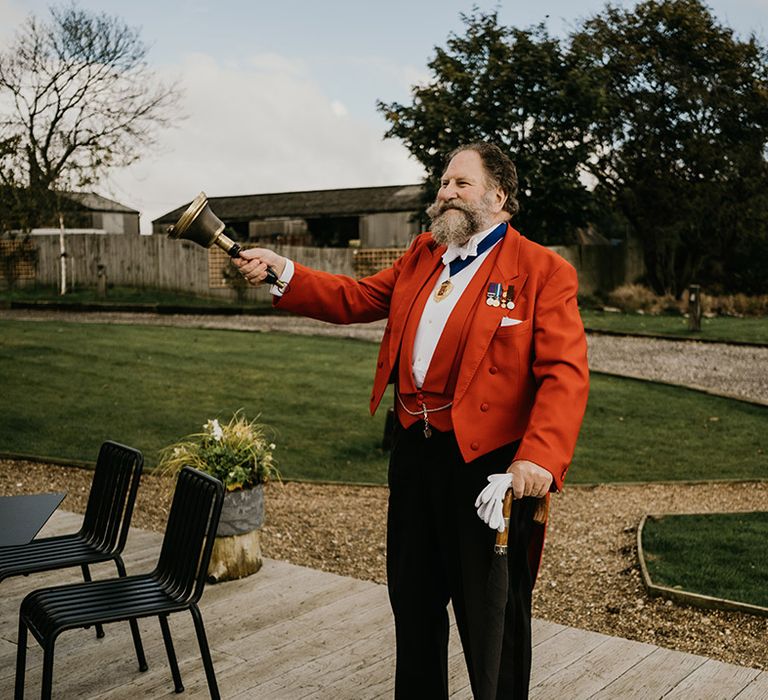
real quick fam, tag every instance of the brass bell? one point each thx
(200, 225)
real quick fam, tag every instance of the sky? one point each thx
(281, 96)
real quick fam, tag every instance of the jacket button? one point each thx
(483, 407)
(420, 397)
(475, 446)
(493, 370)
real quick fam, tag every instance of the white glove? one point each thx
(489, 502)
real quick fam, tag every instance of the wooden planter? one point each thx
(237, 549)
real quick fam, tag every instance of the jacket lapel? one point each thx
(408, 286)
(486, 318)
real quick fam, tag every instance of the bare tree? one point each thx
(76, 98)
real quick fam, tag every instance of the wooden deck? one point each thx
(292, 632)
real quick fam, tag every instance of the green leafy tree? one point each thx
(680, 133)
(76, 98)
(521, 90)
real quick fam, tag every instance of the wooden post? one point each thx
(101, 281)
(237, 547)
(694, 307)
(62, 259)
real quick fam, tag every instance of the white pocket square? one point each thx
(506, 321)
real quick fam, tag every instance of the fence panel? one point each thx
(161, 263)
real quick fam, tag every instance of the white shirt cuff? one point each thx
(286, 277)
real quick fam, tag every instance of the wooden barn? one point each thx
(88, 212)
(371, 217)
(83, 212)
(98, 212)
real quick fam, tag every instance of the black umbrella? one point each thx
(495, 605)
(496, 595)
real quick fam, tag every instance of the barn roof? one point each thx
(95, 202)
(342, 202)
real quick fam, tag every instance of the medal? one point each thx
(492, 297)
(443, 290)
(509, 294)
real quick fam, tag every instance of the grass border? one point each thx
(159, 309)
(680, 595)
(41, 459)
(90, 466)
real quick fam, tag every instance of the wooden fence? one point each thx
(161, 263)
(18, 261)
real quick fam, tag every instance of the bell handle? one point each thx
(233, 250)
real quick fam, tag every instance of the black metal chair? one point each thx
(176, 584)
(104, 530)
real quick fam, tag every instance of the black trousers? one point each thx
(438, 550)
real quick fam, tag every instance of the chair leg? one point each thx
(87, 578)
(205, 652)
(47, 685)
(21, 661)
(169, 650)
(134, 624)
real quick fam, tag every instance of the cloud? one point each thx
(339, 109)
(260, 125)
(11, 16)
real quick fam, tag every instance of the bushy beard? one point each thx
(457, 229)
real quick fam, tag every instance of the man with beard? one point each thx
(487, 352)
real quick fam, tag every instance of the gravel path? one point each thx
(728, 370)
(589, 579)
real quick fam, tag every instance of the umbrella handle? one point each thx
(539, 516)
(541, 513)
(501, 537)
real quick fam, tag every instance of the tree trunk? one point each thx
(237, 548)
(235, 557)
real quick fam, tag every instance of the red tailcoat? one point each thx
(527, 381)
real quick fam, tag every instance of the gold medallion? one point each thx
(443, 290)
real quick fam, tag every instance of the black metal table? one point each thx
(21, 517)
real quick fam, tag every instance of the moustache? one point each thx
(439, 208)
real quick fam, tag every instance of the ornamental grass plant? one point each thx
(238, 453)
(636, 298)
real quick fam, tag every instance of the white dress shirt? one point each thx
(286, 277)
(436, 314)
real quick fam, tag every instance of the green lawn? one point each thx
(748, 329)
(640, 431)
(721, 555)
(67, 387)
